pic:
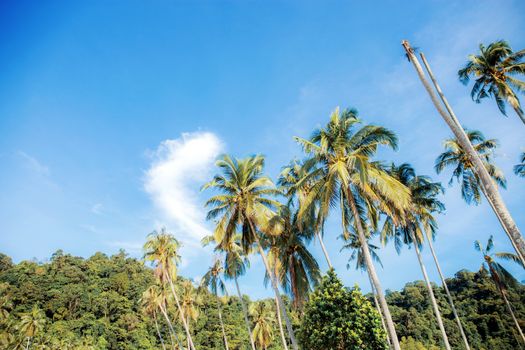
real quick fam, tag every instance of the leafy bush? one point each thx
(338, 318)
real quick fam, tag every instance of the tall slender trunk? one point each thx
(158, 330)
(378, 307)
(512, 314)
(449, 296)
(222, 324)
(173, 334)
(280, 323)
(430, 292)
(181, 313)
(289, 327)
(245, 312)
(519, 112)
(325, 252)
(189, 327)
(486, 181)
(373, 275)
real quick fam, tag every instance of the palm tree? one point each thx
(420, 222)
(519, 169)
(456, 158)
(150, 303)
(263, 330)
(212, 279)
(245, 202)
(501, 277)
(295, 267)
(190, 299)
(495, 69)
(448, 115)
(31, 323)
(346, 175)
(235, 263)
(296, 180)
(161, 248)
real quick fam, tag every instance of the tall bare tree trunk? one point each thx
(158, 331)
(373, 275)
(449, 296)
(289, 327)
(280, 324)
(325, 252)
(222, 325)
(173, 334)
(487, 183)
(431, 293)
(509, 307)
(181, 313)
(245, 312)
(378, 307)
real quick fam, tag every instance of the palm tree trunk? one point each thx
(189, 327)
(245, 312)
(449, 296)
(491, 191)
(295, 346)
(509, 307)
(325, 252)
(181, 313)
(280, 323)
(170, 326)
(158, 331)
(373, 275)
(222, 325)
(430, 292)
(378, 307)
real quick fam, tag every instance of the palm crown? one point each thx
(495, 69)
(456, 157)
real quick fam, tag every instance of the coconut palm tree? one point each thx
(447, 113)
(149, 303)
(213, 280)
(262, 317)
(495, 68)
(347, 175)
(420, 222)
(161, 248)
(235, 264)
(463, 170)
(296, 180)
(31, 323)
(190, 301)
(501, 277)
(245, 202)
(424, 194)
(295, 267)
(519, 169)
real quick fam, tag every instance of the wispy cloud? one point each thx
(33, 164)
(177, 170)
(97, 208)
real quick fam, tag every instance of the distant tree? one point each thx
(263, 319)
(495, 69)
(31, 324)
(501, 277)
(340, 319)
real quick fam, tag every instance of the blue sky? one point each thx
(111, 113)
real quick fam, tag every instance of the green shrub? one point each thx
(338, 318)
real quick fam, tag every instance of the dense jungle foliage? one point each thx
(75, 303)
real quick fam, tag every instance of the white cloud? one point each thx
(178, 169)
(97, 208)
(34, 164)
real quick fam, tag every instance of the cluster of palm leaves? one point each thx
(339, 175)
